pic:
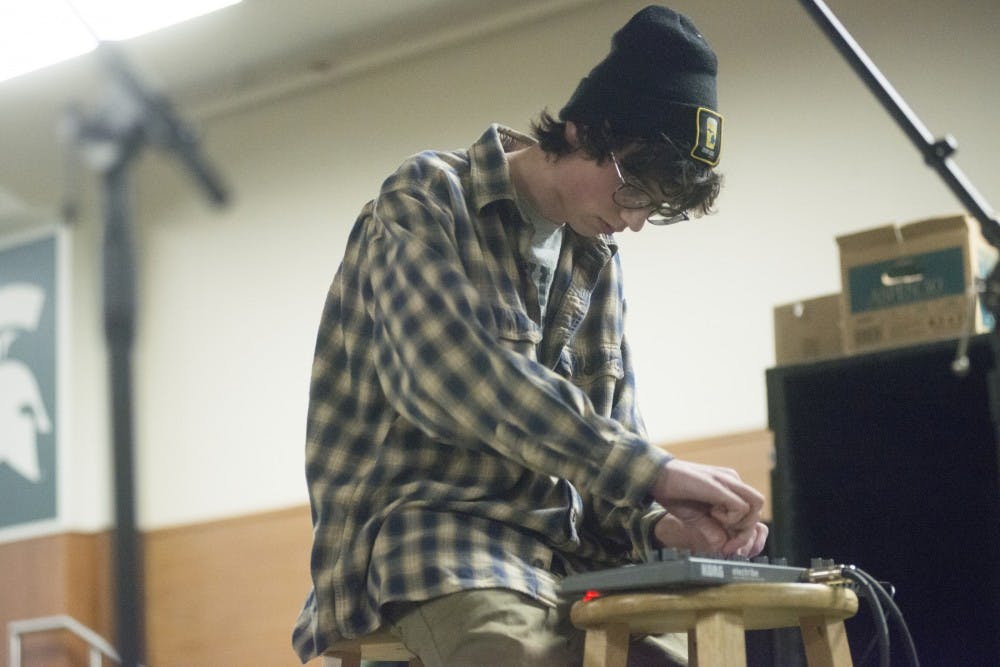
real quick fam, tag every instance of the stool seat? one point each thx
(715, 619)
(378, 645)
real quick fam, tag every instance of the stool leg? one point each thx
(825, 640)
(718, 639)
(606, 646)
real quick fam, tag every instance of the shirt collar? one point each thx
(490, 175)
(489, 167)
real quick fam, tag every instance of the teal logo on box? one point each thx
(906, 280)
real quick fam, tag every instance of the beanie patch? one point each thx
(708, 142)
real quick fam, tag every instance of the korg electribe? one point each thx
(673, 568)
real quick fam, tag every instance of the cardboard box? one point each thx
(808, 330)
(913, 283)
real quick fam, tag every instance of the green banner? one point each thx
(28, 425)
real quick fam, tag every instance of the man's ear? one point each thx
(572, 134)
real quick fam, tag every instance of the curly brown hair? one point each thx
(662, 166)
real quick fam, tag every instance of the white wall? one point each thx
(231, 298)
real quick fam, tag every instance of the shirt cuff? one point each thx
(649, 544)
(627, 474)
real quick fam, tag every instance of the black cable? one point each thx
(882, 627)
(897, 615)
(863, 660)
(877, 595)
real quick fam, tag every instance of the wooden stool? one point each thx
(715, 618)
(378, 645)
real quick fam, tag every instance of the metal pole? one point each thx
(119, 322)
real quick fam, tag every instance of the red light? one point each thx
(591, 595)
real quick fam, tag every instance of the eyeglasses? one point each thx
(631, 196)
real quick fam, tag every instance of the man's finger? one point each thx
(750, 495)
(747, 543)
(735, 516)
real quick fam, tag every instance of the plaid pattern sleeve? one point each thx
(628, 526)
(453, 441)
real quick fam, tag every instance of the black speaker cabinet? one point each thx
(889, 461)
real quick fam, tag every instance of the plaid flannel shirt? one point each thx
(454, 442)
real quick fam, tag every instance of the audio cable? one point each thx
(879, 600)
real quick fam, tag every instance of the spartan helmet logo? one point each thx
(22, 412)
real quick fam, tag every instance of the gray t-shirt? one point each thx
(544, 254)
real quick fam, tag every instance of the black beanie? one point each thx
(658, 79)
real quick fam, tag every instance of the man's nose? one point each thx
(635, 218)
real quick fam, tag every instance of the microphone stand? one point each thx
(112, 138)
(937, 154)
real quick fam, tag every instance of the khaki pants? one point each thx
(501, 628)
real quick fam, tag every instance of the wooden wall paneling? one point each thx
(88, 583)
(57, 574)
(227, 592)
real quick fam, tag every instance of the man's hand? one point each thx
(711, 510)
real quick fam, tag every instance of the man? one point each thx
(473, 434)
